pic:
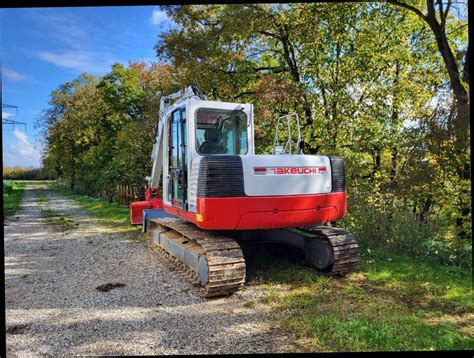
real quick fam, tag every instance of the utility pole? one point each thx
(6, 121)
(4, 105)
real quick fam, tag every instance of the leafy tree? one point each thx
(372, 82)
(368, 84)
(99, 131)
(70, 125)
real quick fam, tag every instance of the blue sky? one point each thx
(44, 47)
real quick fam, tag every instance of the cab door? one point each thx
(177, 160)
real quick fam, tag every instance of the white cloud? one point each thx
(65, 59)
(82, 61)
(21, 136)
(22, 152)
(62, 26)
(158, 17)
(5, 115)
(82, 45)
(13, 75)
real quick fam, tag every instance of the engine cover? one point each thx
(281, 175)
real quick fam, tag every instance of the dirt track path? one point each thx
(53, 306)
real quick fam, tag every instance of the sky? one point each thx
(44, 47)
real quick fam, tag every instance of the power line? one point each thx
(4, 105)
(12, 122)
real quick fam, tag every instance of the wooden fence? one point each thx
(125, 194)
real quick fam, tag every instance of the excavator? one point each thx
(216, 194)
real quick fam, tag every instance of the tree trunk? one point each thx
(459, 123)
(72, 184)
(465, 71)
(58, 170)
(377, 161)
(394, 129)
(425, 210)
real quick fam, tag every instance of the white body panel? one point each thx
(165, 145)
(192, 183)
(271, 184)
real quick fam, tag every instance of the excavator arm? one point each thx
(157, 157)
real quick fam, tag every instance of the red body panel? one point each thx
(183, 214)
(248, 213)
(151, 202)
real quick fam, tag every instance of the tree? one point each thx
(364, 79)
(437, 21)
(99, 131)
(70, 125)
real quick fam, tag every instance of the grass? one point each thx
(109, 214)
(12, 195)
(391, 303)
(59, 222)
(41, 195)
(249, 304)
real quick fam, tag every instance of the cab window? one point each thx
(220, 131)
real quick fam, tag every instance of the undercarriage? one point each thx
(215, 261)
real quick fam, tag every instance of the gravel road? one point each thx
(53, 305)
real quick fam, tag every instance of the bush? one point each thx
(395, 228)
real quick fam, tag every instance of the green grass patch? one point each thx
(59, 222)
(249, 304)
(391, 303)
(41, 195)
(109, 214)
(12, 195)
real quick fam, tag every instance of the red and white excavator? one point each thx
(217, 193)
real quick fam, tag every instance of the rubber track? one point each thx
(171, 263)
(224, 256)
(344, 245)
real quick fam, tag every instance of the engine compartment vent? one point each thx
(338, 182)
(220, 176)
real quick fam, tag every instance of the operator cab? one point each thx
(195, 128)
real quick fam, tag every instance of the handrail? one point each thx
(289, 141)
